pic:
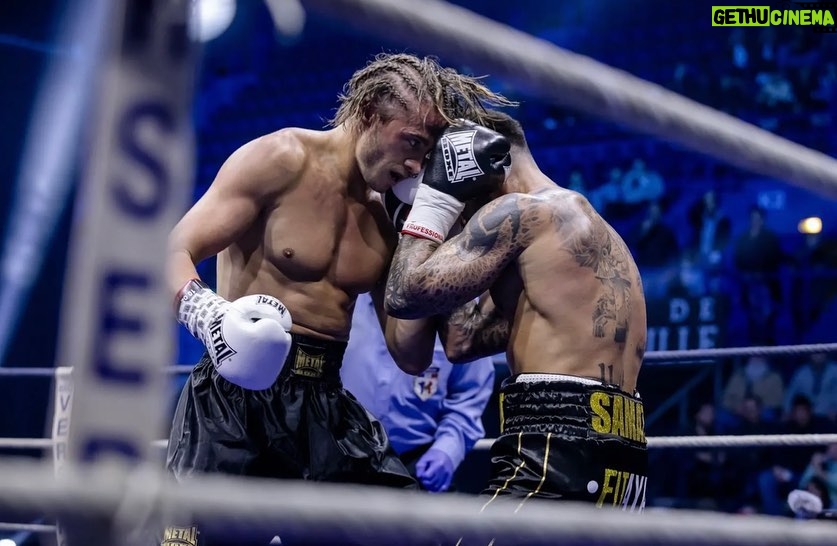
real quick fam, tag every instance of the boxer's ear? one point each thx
(368, 115)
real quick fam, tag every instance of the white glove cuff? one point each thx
(433, 214)
(198, 307)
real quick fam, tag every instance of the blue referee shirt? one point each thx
(442, 406)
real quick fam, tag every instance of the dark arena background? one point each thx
(730, 212)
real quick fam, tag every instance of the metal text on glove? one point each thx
(219, 345)
(458, 150)
(273, 302)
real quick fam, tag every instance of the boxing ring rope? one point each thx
(311, 509)
(26, 372)
(550, 73)
(718, 441)
(688, 442)
(711, 355)
(26, 443)
(744, 440)
(730, 352)
(27, 527)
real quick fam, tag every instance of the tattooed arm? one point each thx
(475, 330)
(428, 279)
(410, 342)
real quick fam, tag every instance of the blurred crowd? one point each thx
(759, 398)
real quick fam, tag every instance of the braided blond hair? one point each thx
(408, 81)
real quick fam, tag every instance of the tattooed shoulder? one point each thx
(508, 222)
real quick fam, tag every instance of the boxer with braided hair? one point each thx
(298, 222)
(406, 79)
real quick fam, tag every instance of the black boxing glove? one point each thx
(397, 210)
(468, 161)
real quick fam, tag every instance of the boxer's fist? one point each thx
(248, 340)
(256, 331)
(468, 161)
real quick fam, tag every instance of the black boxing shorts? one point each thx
(569, 438)
(305, 426)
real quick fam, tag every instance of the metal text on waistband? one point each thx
(180, 536)
(308, 365)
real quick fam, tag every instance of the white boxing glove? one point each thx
(248, 340)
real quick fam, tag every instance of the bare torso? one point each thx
(566, 295)
(581, 310)
(318, 245)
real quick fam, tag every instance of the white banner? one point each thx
(62, 405)
(116, 328)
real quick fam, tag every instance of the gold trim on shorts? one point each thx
(514, 474)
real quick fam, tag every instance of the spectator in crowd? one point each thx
(818, 251)
(819, 487)
(823, 469)
(711, 230)
(751, 417)
(800, 51)
(817, 381)
(757, 258)
(736, 76)
(576, 182)
(689, 280)
(704, 471)
(641, 185)
(785, 466)
(814, 283)
(692, 81)
(775, 90)
(764, 59)
(740, 56)
(826, 83)
(433, 419)
(607, 194)
(654, 242)
(746, 464)
(755, 379)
